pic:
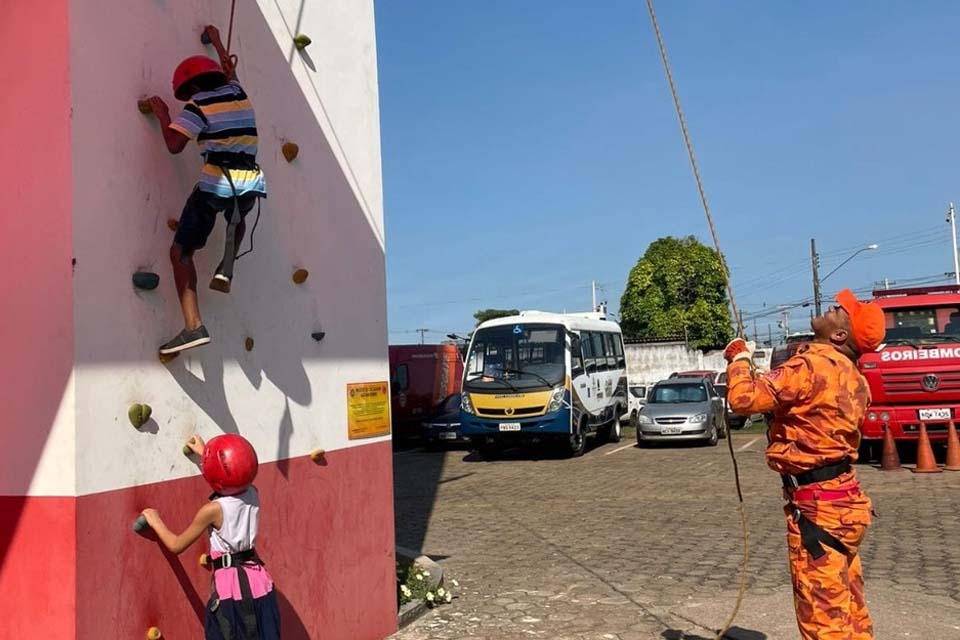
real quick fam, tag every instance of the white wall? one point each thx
(323, 213)
(652, 362)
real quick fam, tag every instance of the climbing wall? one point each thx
(93, 192)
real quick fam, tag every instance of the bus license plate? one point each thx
(934, 414)
(671, 431)
(509, 426)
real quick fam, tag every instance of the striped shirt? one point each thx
(222, 122)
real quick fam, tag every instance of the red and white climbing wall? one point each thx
(89, 188)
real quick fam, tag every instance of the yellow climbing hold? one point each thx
(290, 150)
(300, 276)
(172, 224)
(139, 414)
(153, 633)
(204, 560)
(301, 42)
(144, 106)
(317, 455)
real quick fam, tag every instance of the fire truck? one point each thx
(914, 376)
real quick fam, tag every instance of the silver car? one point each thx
(682, 409)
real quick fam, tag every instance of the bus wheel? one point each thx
(577, 442)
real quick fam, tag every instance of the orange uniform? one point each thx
(818, 400)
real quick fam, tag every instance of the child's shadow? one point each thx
(291, 625)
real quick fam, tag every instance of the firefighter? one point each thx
(818, 399)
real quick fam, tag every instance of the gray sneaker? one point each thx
(186, 339)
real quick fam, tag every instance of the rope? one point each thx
(233, 6)
(733, 306)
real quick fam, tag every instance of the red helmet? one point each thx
(229, 464)
(190, 69)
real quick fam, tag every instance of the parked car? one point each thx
(636, 397)
(682, 409)
(783, 352)
(443, 424)
(734, 421)
(712, 376)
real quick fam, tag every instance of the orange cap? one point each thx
(866, 321)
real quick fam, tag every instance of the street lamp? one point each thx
(817, 280)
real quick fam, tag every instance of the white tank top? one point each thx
(241, 516)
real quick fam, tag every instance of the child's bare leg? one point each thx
(185, 277)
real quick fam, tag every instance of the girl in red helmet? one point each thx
(243, 605)
(218, 114)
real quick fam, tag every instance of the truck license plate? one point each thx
(509, 426)
(670, 431)
(935, 414)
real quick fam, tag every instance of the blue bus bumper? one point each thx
(550, 425)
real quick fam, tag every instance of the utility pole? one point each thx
(815, 261)
(593, 289)
(423, 333)
(756, 334)
(952, 219)
(769, 335)
(785, 324)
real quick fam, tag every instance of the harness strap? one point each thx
(248, 613)
(225, 162)
(813, 537)
(228, 560)
(822, 474)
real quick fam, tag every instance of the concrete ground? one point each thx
(629, 544)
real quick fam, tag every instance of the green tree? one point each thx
(483, 315)
(677, 289)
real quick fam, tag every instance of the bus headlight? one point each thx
(465, 405)
(556, 400)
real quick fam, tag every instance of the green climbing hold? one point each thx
(146, 280)
(139, 524)
(139, 414)
(301, 42)
(187, 450)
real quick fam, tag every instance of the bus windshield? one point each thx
(917, 324)
(517, 357)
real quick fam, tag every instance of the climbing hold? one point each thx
(204, 38)
(204, 560)
(318, 335)
(139, 524)
(139, 414)
(301, 42)
(300, 276)
(290, 150)
(146, 280)
(248, 344)
(187, 450)
(168, 357)
(154, 634)
(144, 106)
(172, 224)
(317, 455)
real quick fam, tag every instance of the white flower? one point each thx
(429, 596)
(440, 592)
(419, 576)
(448, 597)
(455, 583)
(405, 590)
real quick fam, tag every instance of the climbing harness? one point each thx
(797, 489)
(248, 613)
(733, 306)
(225, 162)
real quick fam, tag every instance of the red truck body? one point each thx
(421, 376)
(914, 376)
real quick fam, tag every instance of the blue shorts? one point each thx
(200, 215)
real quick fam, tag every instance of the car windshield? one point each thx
(638, 392)
(678, 393)
(918, 324)
(517, 356)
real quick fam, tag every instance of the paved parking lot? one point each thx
(629, 544)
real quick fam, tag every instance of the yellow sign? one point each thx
(368, 410)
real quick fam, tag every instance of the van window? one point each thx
(609, 339)
(589, 361)
(598, 350)
(576, 356)
(618, 347)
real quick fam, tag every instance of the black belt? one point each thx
(822, 474)
(228, 560)
(230, 160)
(812, 535)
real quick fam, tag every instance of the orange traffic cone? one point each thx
(890, 460)
(953, 449)
(926, 463)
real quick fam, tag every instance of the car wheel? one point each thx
(714, 436)
(634, 420)
(724, 427)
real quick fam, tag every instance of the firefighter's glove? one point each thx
(739, 349)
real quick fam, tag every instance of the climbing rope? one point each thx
(733, 306)
(233, 7)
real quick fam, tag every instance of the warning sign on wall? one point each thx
(368, 410)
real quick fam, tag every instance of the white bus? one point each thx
(544, 377)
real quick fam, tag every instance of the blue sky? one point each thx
(530, 146)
